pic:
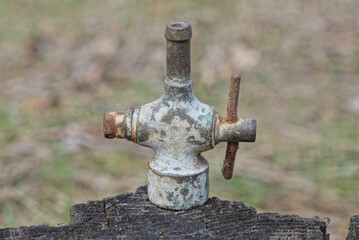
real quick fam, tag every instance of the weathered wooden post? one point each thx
(353, 233)
(133, 216)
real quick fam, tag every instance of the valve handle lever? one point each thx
(232, 105)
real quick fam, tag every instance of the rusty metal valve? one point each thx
(179, 127)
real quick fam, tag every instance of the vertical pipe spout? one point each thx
(178, 57)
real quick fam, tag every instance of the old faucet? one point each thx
(179, 127)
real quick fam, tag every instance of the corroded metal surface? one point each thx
(232, 146)
(179, 127)
(114, 124)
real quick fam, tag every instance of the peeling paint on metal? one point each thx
(179, 128)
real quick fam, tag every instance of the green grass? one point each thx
(293, 95)
(37, 14)
(8, 125)
(9, 215)
(241, 188)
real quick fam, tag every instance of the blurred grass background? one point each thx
(63, 63)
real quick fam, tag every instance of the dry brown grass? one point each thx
(63, 64)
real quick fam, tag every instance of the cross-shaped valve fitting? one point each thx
(179, 127)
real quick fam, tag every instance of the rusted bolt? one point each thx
(114, 124)
(179, 128)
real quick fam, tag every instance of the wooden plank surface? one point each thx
(132, 216)
(353, 233)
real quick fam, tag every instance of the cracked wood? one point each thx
(133, 216)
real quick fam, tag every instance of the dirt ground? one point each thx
(62, 64)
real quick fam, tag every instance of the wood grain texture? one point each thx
(353, 233)
(132, 216)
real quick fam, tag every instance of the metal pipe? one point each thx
(178, 56)
(232, 105)
(244, 130)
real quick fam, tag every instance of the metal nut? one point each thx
(114, 124)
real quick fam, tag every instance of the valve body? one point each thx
(178, 127)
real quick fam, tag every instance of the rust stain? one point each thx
(232, 105)
(114, 124)
(152, 133)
